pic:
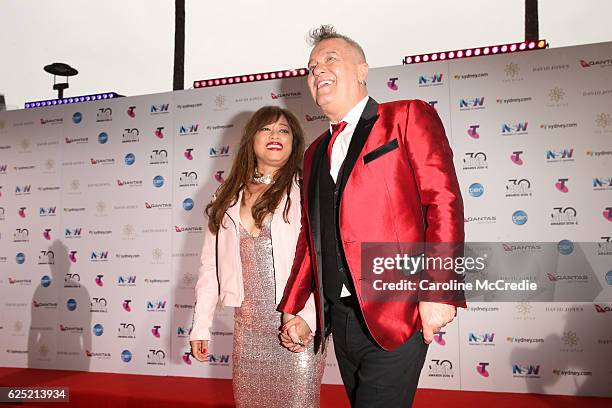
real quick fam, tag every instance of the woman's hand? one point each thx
(199, 350)
(295, 333)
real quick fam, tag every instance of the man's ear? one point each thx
(362, 71)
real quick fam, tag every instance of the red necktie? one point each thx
(336, 130)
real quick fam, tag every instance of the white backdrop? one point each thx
(101, 218)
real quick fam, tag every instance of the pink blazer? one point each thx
(220, 277)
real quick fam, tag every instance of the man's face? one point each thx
(335, 70)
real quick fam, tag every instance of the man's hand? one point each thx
(434, 316)
(295, 333)
(199, 349)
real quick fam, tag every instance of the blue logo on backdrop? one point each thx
(77, 117)
(126, 356)
(20, 258)
(187, 204)
(103, 138)
(45, 281)
(519, 217)
(71, 305)
(565, 247)
(476, 190)
(130, 159)
(609, 277)
(98, 329)
(158, 181)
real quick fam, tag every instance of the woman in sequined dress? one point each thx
(249, 246)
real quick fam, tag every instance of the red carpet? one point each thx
(93, 390)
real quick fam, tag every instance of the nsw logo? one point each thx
(472, 103)
(514, 129)
(430, 80)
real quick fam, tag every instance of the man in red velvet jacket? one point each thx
(382, 173)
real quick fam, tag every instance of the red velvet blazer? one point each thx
(398, 184)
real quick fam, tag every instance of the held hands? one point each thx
(434, 316)
(199, 349)
(295, 333)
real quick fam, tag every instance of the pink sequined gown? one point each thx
(265, 374)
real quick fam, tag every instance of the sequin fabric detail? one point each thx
(265, 374)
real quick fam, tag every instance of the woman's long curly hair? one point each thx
(244, 166)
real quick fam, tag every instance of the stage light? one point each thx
(75, 99)
(60, 69)
(475, 52)
(263, 76)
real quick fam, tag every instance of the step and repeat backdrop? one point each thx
(101, 218)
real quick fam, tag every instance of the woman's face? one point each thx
(272, 145)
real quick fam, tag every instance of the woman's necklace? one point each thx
(262, 178)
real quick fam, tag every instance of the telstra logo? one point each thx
(473, 131)
(481, 369)
(439, 338)
(515, 157)
(392, 84)
(561, 186)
